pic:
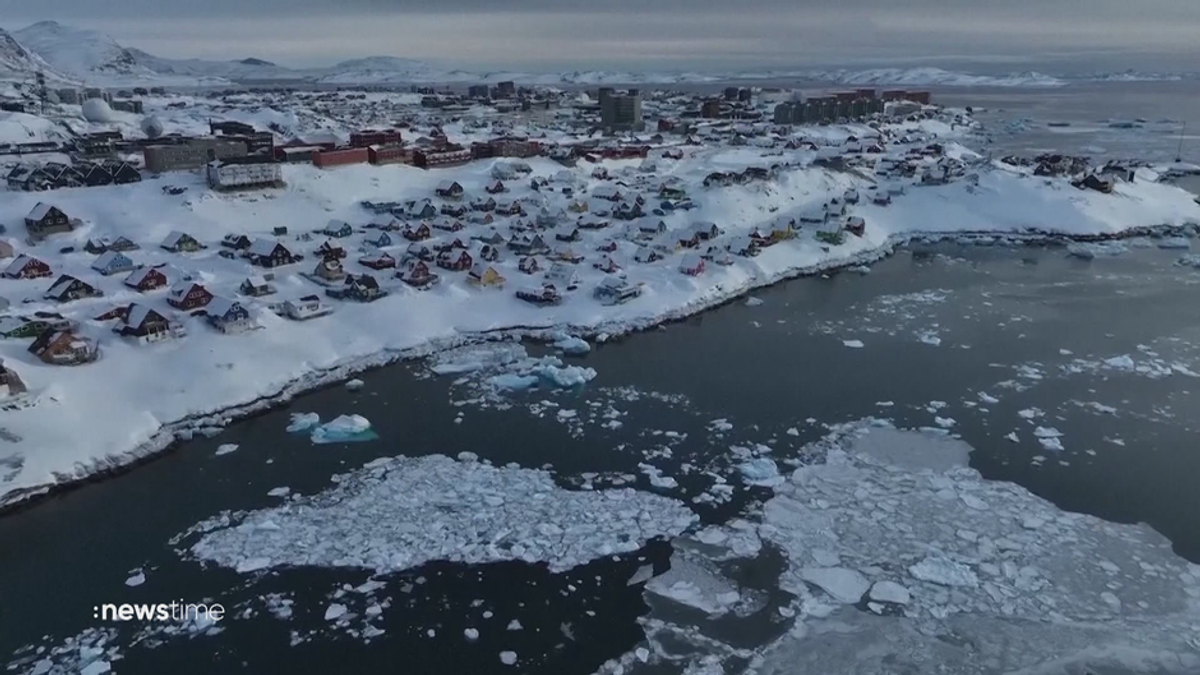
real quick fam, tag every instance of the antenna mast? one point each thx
(1179, 151)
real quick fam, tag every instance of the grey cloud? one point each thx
(644, 34)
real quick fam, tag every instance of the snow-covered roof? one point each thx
(220, 306)
(137, 315)
(107, 258)
(173, 239)
(19, 263)
(136, 277)
(257, 281)
(263, 246)
(40, 211)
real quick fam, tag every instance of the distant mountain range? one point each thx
(67, 54)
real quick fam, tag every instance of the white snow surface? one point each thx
(79, 427)
(402, 512)
(698, 585)
(1020, 586)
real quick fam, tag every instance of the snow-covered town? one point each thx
(187, 244)
(337, 245)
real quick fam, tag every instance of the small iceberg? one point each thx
(1189, 260)
(572, 345)
(1089, 251)
(303, 422)
(760, 471)
(344, 429)
(565, 377)
(513, 381)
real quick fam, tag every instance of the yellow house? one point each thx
(485, 277)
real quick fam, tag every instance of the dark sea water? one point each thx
(1002, 316)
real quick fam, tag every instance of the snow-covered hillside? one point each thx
(18, 63)
(80, 51)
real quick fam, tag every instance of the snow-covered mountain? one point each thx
(20, 64)
(80, 52)
(242, 69)
(925, 77)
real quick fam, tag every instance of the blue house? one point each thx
(228, 316)
(112, 262)
(380, 240)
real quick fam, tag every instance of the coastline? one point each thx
(171, 435)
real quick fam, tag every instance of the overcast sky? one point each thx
(632, 34)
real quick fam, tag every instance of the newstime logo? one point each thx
(163, 611)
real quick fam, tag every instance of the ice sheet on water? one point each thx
(988, 576)
(696, 584)
(512, 381)
(398, 513)
(344, 429)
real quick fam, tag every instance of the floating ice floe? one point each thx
(760, 471)
(1189, 260)
(476, 357)
(1089, 251)
(698, 585)
(753, 301)
(993, 578)
(303, 422)
(225, 449)
(355, 384)
(513, 381)
(344, 429)
(136, 578)
(398, 513)
(853, 344)
(1180, 243)
(572, 345)
(508, 658)
(565, 377)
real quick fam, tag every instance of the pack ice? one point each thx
(972, 576)
(397, 513)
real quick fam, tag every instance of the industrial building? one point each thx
(478, 91)
(506, 89)
(191, 153)
(368, 137)
(128, 105)
(244, 172)
(621, 112)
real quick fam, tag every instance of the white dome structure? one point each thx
(152, 126)
(97, 110)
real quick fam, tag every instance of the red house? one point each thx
(146, 279)
(188, 295)
(377, 261)
(418, 233)
(27, 267)
(454, 260)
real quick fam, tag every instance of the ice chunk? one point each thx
(96, 668)
(944, 572)
(226, 449)
(843, 585)
(760, 471)
(514, 625)
(890, 591)
(471, 634)
(1175, 243)
(355, 384)
(696, 584)
(279, 492)
(508, 658)
(753, 301)
(1123, 362)
(303, 421)
(344, 429)
(335, 612)
(643, 574)
(572, 345)
(1012, 436)
(853, 344)
(565, 377)
(136, 579)
(513, 381)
